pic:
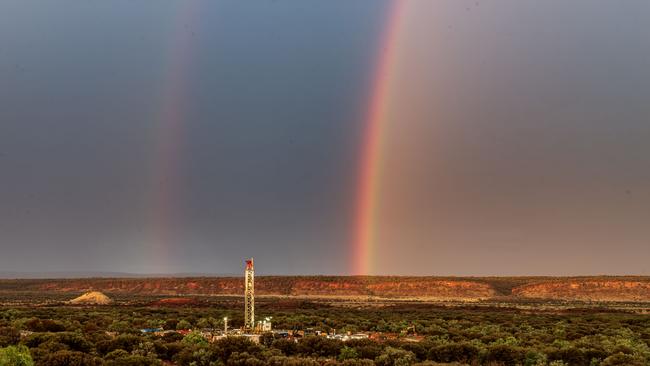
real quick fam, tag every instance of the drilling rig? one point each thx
(249, 295)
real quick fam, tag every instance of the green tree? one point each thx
(535, 359)
(9, 336)
(195, 356)
(358, 362)
(183, 324)
(118, 353)
(15, 356)
(208, 322)
(75, 341)
(244, 359)
(459, 352)
(319, 346)
(155, 323)
(621, 359)
(348, 353)
(195, 338)
(70, 358)
(224, 347)
(147, 349)
(133, 360)
(10, 314)
(120, 326)
(395, 357)
(558, 363)
(508, 355)
(289, 348)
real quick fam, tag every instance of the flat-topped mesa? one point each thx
(587, 290)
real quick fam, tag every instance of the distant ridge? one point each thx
(586, 288)
(11, 275)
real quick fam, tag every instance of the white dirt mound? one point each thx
(93, 298)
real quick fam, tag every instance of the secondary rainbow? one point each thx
(172, 115)
(368, 181)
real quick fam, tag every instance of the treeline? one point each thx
(110, 336)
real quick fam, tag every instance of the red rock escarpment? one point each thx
(586, 290)
(312, 286)
(408, 287)
(424, 288)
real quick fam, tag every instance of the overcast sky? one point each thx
(165, 137)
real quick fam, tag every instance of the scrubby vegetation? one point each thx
(110, 335)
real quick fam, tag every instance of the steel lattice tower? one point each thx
(249, 295)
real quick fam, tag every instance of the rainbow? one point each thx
(368, 182)
(170, 132)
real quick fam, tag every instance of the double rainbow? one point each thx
(170, 137)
